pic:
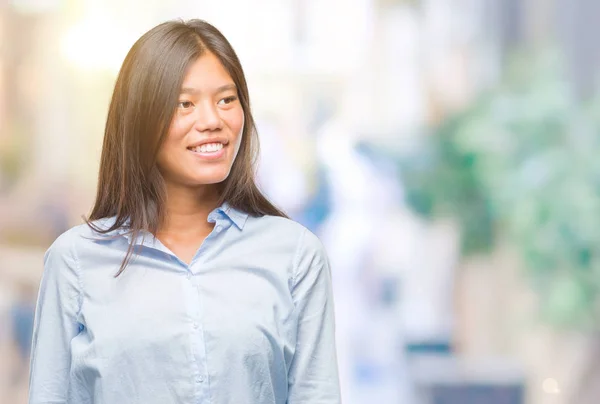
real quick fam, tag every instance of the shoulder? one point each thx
(68, 242)
(63, 245)
(275, 223)
(281, 227)
(277, 231)
(305, 242)
(61, 265)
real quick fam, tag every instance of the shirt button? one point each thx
(196, 326)
(218, 229)
(200, 379)
(189, 275)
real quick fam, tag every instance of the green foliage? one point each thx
(521, 164)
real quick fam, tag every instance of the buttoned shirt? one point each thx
(249, 321)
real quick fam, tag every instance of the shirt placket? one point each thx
(196, 311)
(197, 341)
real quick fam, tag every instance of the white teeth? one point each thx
(208, 148)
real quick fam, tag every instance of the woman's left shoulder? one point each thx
(276, 224)
(284, 228)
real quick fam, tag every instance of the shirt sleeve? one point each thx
(313, 376)
(55, 325)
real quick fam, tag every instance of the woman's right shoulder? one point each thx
(62, 259)
(82, 234)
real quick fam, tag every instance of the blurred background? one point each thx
(443, 150)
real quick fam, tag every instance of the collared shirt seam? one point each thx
(79, 280)
(296, 258)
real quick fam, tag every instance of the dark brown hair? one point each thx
(130, 186)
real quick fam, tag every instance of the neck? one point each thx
(185, 206)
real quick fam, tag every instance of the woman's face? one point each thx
(206, 131)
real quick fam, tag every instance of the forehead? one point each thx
(206, 73)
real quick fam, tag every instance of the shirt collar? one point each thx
(236, 216)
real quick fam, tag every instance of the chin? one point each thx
(209, 179)
(212, 181)
(205, 175)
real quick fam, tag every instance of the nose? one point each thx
(207, 117)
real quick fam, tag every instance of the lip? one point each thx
(220, 139)
(210, 155)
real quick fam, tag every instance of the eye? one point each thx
(185, 104)
(227, 100)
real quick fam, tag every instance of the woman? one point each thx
(186, 285)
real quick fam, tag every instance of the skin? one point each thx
(208, 108)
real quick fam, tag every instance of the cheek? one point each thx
(164, 160)
(238, 128)
(167, 155)
(179, 127)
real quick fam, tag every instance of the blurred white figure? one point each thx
(360, 198)
(279, 174)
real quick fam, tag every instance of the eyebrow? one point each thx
(222, 89)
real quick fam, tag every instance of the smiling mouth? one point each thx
(207, 148)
